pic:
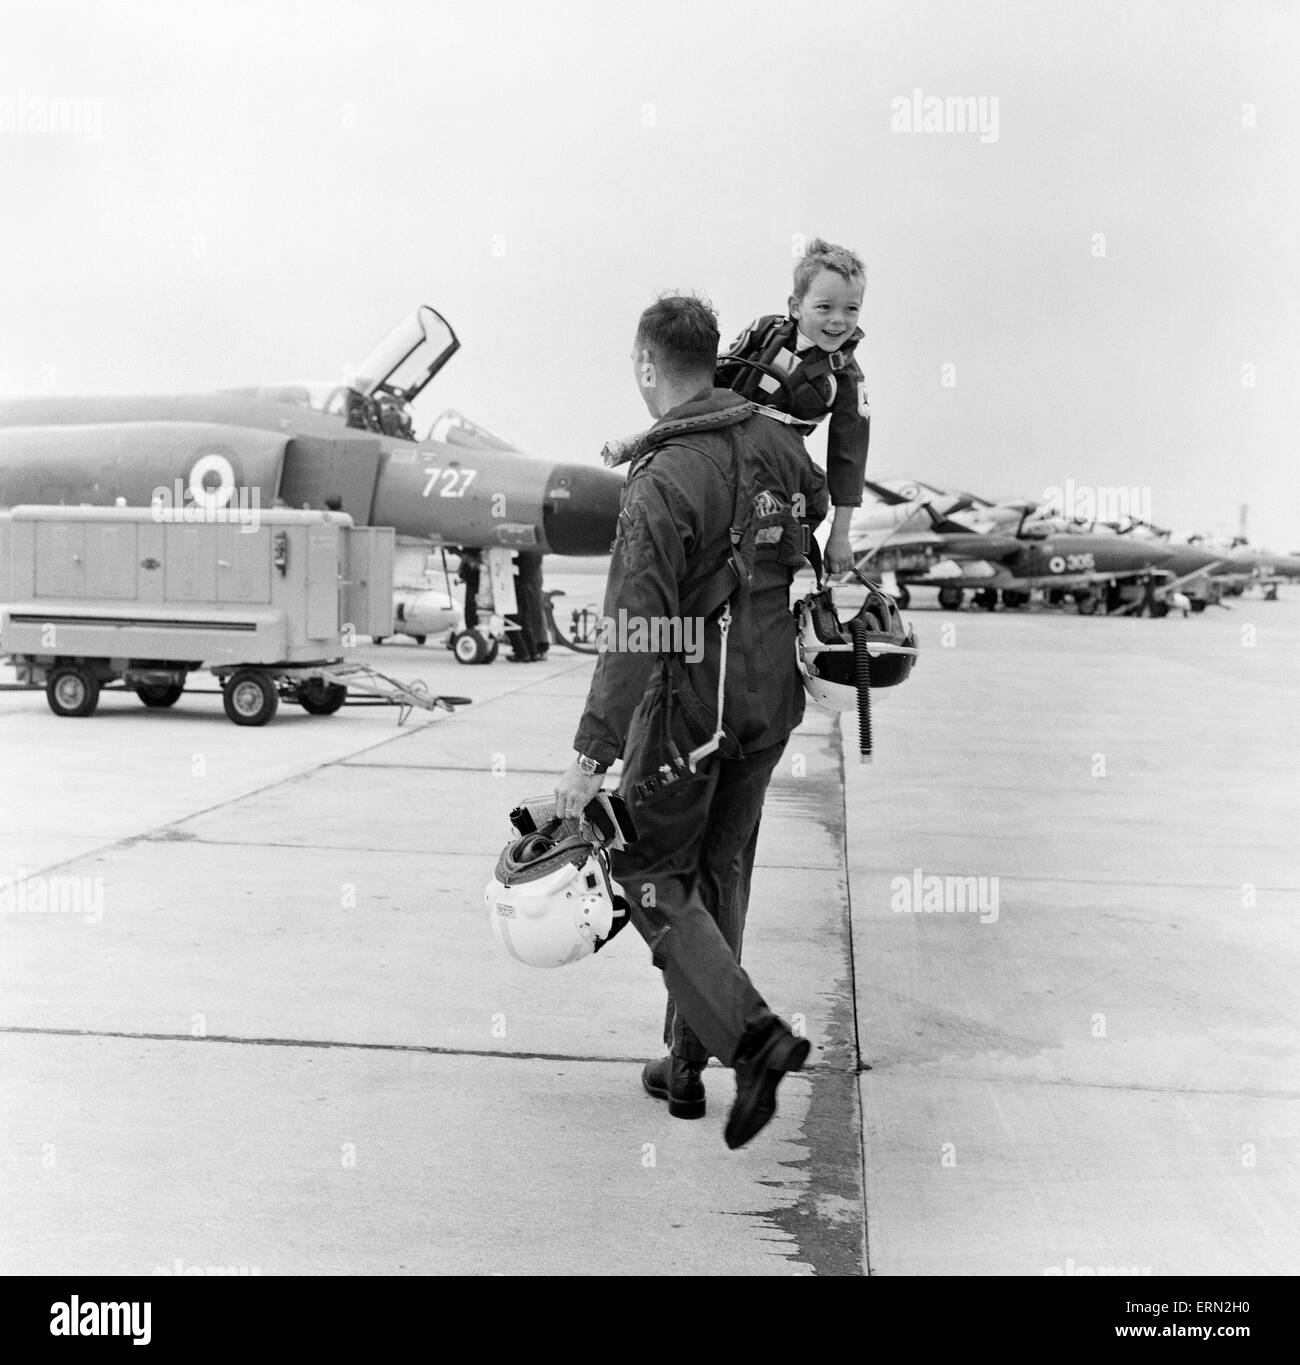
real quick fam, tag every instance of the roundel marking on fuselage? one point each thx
(213, 462)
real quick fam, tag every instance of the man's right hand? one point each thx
(575, 790)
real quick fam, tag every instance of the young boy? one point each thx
(812, 350)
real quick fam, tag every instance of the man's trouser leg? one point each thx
(683, 879)
(729, 844)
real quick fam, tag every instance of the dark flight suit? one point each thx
(687, 877)
(823, 382)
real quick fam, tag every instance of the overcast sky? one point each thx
(257, 192)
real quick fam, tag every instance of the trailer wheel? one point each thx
(72, 691)
(319, 698)
(250, 697)
(159, 694)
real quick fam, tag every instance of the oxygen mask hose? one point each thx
(862, 670)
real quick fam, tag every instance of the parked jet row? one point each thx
(919, 535)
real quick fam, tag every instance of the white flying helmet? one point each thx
(552, 900)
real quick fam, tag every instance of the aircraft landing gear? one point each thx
(1013, 598)
(473, 647)
(986, 598)
(1087, 603)
(950, 599)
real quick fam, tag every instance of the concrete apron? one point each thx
(1099, 1074)
(288, 1043)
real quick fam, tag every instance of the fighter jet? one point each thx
(898, 500)
(351, 447)
(1245, 566)
(1037, 555)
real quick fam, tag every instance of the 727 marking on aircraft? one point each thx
(454, 482)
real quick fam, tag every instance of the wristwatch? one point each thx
(591, 767)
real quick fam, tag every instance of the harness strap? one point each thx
(731, 574)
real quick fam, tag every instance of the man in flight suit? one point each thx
(710, 534)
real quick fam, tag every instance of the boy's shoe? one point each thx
(761, 1063)
(674, 1080)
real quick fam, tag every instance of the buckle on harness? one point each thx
(711, 744)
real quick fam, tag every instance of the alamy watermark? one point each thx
(920, 894)
(24, 895)
(921, 113)
(197, 503)
(178, 1267)
(630, 634)
(1098, 501)
(26, 115)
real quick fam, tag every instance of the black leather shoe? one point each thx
(761, 1065)
(672, 1079)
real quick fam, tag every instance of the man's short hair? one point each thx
(821, 256)
(681, 333)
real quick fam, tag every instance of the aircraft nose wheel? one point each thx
(473, 647)
(950, 599)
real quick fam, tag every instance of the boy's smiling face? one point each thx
(828, 312)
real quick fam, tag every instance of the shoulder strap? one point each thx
(731, 574)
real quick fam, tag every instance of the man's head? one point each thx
(675, 351)
(828, 286)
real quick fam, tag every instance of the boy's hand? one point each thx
(839, 553)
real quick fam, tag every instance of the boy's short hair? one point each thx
(821, 256)
(681, 332)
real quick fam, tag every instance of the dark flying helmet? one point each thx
(842, 661)
(829, 658)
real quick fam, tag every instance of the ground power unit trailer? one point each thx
(268, 600)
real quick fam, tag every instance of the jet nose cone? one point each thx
(580, 509)
(1131, 557)
(1158, 558)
